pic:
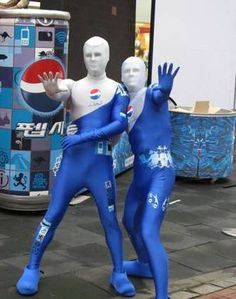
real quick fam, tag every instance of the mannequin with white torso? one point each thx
(98, 108)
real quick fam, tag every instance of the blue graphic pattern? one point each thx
(6, 56)
(21, 116)
(20, 160)
(5, 138)
(202, 146)
(122, 152)
(19, 181)
(5, 98)
(39, 181)
(4, 158)
(25, 36)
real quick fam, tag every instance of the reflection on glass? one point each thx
(142, 41)
(142, 29)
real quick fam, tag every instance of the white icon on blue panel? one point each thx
(25, 36)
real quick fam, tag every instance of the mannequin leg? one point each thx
(131, 220)
(153, 215)
(62, 192)
(103, 189)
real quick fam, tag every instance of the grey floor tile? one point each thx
(223, 248)
(94, 227)
(179, 271)
(183, 217)
(200, 259)
(177, 241)
(9, 275)
(76, 236)
(66, 286)
(91, 254)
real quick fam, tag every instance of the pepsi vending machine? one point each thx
(32, 41)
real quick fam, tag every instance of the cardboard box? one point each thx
(202, 107)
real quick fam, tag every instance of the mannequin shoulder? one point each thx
(122, 90)
(80, 83)
(69, 83)
(112, 82)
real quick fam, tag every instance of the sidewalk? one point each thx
(216, 285)
(77, 264)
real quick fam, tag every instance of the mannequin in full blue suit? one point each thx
(147, 199)
(98, 108)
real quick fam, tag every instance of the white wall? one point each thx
(143, 11)
(200, 37)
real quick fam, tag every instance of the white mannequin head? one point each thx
(96, 56)
(133, 74)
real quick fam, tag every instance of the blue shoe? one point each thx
(28, 283)
(137, 268)
(121, 284)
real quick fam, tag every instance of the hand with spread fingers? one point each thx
(166, 77)
(52, 85)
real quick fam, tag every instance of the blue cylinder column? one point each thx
(31, 124)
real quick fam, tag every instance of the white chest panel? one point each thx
(89, 95)
(136, 107)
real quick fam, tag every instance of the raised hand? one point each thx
(166, 77)
(52, 85)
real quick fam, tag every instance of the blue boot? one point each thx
(121, 284)
(136, 268)
(28, 283)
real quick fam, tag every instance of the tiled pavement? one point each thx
(214, 285)
(77, 264)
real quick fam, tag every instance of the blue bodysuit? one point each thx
(147, 199)
(102, 106)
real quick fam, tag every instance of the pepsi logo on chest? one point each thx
(95, 96)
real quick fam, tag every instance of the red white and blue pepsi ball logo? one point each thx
(32, 90)
(95, 94)
(130, 111)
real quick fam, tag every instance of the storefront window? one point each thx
(142, 29)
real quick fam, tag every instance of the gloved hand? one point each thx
(71, 130)
(68, 141)
(52, 85)
(166, 78)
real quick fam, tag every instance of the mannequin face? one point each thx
(133, 74)
(96, 56)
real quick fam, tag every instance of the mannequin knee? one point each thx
(54, 217)
(146, 232)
